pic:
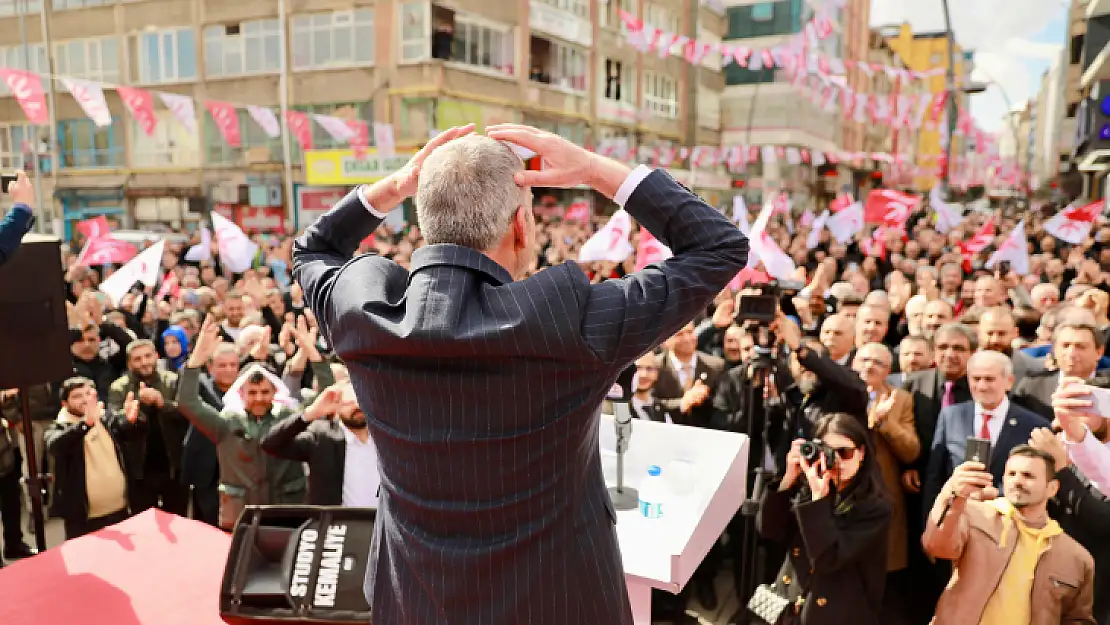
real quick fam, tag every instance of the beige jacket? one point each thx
(971, 537)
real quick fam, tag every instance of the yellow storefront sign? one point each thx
(340, 167)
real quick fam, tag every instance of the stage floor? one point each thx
(152, 569)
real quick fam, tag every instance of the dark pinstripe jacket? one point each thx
(482, 396)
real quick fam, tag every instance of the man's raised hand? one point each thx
(208, 339)
(565, 164)
(388, 193)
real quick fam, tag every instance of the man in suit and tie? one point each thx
(990, 415)
(688, 379)
(932, 390)
(1076, 348)
(838, 335)
(482, 390)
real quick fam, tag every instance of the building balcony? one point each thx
(1098, 8)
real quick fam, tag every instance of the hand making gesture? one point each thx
(208, 339)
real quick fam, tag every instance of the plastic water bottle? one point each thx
(653, 493)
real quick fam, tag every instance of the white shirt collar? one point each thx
(998, 417)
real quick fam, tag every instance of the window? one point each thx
(558, 64)
(661, 95)
(608, 15)
(166, 56)
(709, 108)
(753, 20)
(16, 57)
(242, 49)
(416, 31)
(483, 44)
(252, 138)
(763, 12)
(1075, 50)
(91, 59)
(16, 143)
(581, 8)
(417, 119)
(171, 146)
(82, 144)
(15, 7)
(620, 81)
(339, 39)
(736, 75)
(61, 5)
(661, 18)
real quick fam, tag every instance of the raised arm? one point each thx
(203, 417)
(19, 219)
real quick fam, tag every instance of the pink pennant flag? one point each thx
(226, 119)
(27, 89)
(300, 128)
(360, 141)
(106, 251)
(141, 104)
(94, 228)
(578, 211)
(650, 250)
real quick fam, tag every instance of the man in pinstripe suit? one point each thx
(482, 392)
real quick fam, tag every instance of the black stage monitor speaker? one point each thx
(298, 564)
(34, 329)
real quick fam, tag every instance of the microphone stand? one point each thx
(624, 497)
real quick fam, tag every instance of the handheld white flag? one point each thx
(143, 268)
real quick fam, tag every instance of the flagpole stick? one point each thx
(48, 48)
(283, 99)
(39, 207)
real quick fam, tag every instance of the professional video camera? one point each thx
(755, 312)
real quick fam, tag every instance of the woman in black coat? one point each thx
(833, 515)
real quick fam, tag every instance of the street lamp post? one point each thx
(950, 88)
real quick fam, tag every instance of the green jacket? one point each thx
(248, 475)
(169, 422)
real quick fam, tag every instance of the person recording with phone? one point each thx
(831, 511)
(20, 218)
(1013, 564)
(1072, 403)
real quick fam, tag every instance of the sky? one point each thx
(1015, 42)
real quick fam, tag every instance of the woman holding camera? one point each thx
(831, 511)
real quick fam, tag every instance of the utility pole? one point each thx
(39, 206)
(950, 87)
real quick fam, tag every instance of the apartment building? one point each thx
(760, 107)
(924, 52)
(562, 65)
(857, 18)
(1051, 147)
(883, 138)
(1073, 75)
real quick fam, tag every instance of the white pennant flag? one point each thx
(236, 249)
(90, 96)
(337, 128)
(182, 108)
(203, 250)
(266, 120)
(1014, 249)
(611, 242)
(948, 216)
(383, 139)
(847, 223)
(765, 250)
(143, 268)
(740, 214)
(814, 238)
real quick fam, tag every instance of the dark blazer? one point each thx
(321, 444)
(65, 443)
(1084, 513)
(955, 425)
(200, 462)
(836, 562)
(927, 388)
(483, 394)
(668, 388)
(1035, 390)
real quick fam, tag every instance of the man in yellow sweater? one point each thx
(90, 486)
(1013, 565)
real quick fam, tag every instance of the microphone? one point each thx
(624, 498)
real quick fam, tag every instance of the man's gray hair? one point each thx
(992, 358)
(466, 193)
(959, 329)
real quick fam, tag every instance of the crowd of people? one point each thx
(220, 392)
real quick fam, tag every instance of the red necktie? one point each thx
(984, 432)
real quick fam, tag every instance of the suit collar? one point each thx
(459, 256)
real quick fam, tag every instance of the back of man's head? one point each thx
(466, 194)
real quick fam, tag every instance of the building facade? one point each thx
(562, 65)
(924, 52)
(1051, 147)
(884, 138)
(760, 107)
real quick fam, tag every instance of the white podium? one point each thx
(706, 469)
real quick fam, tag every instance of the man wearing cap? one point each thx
(252, 405)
